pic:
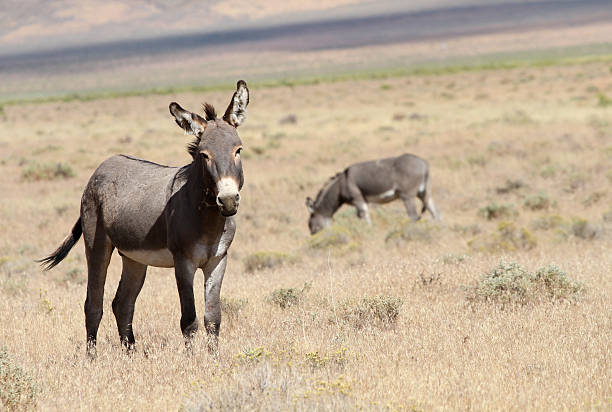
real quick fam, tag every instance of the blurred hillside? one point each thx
(65, 47)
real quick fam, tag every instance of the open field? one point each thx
(521, 168)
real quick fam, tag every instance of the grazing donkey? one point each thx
(163, 216)
(377, 181)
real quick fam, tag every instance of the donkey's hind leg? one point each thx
(410, 207)
(98, 251)
(132, 279)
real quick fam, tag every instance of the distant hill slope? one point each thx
(37, 25)
(149, 44)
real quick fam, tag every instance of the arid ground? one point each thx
(389, 317)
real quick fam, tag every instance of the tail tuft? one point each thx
(61, 252)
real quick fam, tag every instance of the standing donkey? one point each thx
(377, 181)
(165, 217)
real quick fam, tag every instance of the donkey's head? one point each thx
(317, 221)
(216, 148)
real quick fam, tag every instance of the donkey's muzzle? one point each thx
(228, 204)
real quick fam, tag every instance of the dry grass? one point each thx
(480, 131)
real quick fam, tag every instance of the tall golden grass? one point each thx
(536, 140)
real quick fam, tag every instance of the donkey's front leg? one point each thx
(363, 211)
(184, 271)
(213, 275)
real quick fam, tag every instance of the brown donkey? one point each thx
(376, 181)
(165, 217)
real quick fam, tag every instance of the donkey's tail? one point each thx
(61, 252)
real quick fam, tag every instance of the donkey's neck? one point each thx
(197, 188)
(330, 199)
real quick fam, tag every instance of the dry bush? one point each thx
(422, 230)
(511, 185)
(287, 297)
(584, 229)
(48, 171)
(548, 222)
(336, 237)
(495, 211)
(231, 307)
(507, 237)
(540, 201)
(266, 260)
(510, 283)
(379, 310)
(17, 388)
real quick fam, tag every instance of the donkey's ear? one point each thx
(310, 204)
(191, 123)
(236, 111)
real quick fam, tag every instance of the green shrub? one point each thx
(495, 211)
(49, 171)
(286, 297)
(336, 237)
(547, 222)
(510, 186)
(593, 198)
(471, 229)
(266, 260)
(510, 283)
(555, 282)
(584, 229)
(421, 230)
(17, 388)
(537, 202)
(507, 282)
(377, 310)
(603, 100)
(231, 307)
(480, 161)
(508, 237)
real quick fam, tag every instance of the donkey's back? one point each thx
(127, 197)
(384, 180)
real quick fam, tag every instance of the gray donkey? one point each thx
(163, 216)
(377, 181)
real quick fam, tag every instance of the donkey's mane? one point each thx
(209, 114)
(325, 187)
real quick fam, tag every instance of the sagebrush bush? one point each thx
(377, 310)
(507, 237)
(510, 283)
(510, 185)
(584, 229)
(231, 307)
(286, 297)
(540, 201)
(495, 211)
(17, 388)
(335, 237)
(49, 171)
(423, 230)
(555, 282)
(547, 222)
(266, 260)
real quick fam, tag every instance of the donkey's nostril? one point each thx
(228, 203)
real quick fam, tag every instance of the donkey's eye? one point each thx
(205, 155)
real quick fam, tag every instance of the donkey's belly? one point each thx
(160, 258)
(383, 197)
